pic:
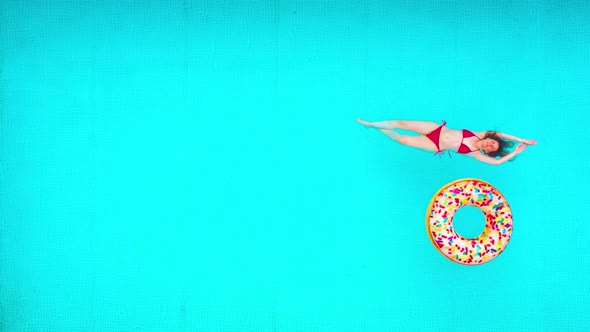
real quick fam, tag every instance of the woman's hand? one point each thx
(530, 141)
(521, 147)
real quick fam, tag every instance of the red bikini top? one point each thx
(464, 149)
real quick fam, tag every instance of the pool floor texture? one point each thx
(197, 166)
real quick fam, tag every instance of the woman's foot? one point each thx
(365, 123)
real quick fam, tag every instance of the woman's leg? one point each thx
(420, 142)
(420, 127)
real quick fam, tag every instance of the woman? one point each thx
(484, 146)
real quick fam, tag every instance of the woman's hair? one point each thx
(503, 145)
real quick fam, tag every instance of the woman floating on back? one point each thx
(484, 146)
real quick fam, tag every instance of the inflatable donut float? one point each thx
(498, 216)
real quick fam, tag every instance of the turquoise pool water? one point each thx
(196, 165)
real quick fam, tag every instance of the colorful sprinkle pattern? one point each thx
(498, 229)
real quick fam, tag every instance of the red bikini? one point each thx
(434, 136)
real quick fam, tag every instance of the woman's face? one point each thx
(489, 145)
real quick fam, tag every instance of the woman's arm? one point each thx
(483, 158)
(493, 161)
(517, 139)
(519, 148)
